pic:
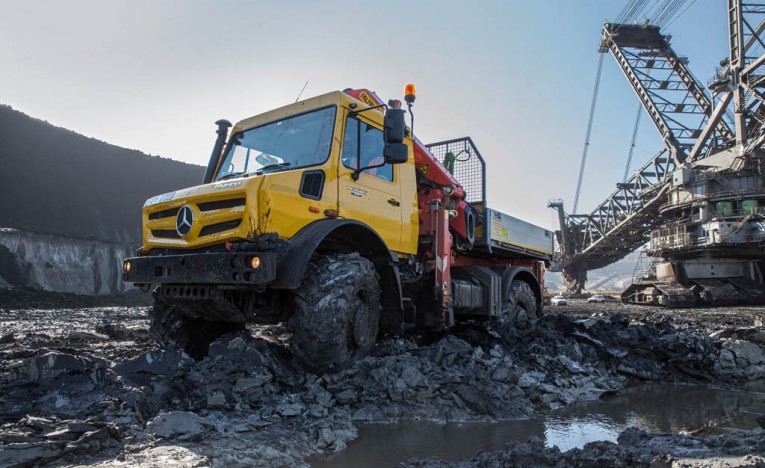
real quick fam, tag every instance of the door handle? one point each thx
(394, 202)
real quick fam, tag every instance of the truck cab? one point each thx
(286, 168)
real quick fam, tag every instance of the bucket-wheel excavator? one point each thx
(699, 204)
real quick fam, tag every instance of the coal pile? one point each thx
(86, 385)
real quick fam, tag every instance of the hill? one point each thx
(55, 181)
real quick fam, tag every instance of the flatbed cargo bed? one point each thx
(505, 236)
(501, 236)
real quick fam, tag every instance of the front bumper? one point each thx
(220, 268)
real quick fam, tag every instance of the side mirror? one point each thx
(395, 125)
(396, 153)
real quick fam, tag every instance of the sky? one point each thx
(516, 76)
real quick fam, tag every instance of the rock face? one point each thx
(59, 264)
(71, 205)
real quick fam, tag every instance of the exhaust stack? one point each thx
(223, 126)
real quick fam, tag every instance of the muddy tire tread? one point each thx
(336, 312)
(521, 304)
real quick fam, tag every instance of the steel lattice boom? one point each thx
(700, 196)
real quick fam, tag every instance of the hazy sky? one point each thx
(515, 75)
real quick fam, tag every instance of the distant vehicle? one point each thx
(559, 301)
(597, 299)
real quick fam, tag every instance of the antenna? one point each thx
(301, 91)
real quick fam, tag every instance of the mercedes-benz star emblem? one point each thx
(184, 220)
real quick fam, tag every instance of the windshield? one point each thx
(299, 141)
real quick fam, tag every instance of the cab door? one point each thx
(375, 197)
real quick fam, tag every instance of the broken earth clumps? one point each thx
(37, 440)
(246, 403)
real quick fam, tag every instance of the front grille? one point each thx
(312, 184)
(221, 204)
(211, 212)
(165, 233)
(164, 213)
(220, 227)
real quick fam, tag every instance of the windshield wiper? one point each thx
(230, 175)
(272, 166)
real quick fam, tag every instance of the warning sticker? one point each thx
(498, 230)
(424, 169)
(364, 97)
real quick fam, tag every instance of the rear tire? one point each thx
(337, 312)
(521, 306)
(171, 328)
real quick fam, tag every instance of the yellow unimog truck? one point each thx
(329, 215)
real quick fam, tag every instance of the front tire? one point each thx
(337, 312)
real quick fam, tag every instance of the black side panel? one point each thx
(491, 285)
(312, 184)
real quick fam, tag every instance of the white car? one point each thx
(559, 301)
(598, 298)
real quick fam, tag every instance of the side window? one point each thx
(365, 143)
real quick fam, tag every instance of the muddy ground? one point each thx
(86, 386)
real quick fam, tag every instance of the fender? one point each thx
(339, 235)
(523, 274)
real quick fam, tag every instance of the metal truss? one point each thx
(672, 97)
(622, 222)
(688, 120)
(742, 76)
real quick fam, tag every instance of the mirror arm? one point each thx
(385, 127)
(357, 112)
(356, 173)
(411, 119)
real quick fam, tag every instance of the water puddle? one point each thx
(655, 407)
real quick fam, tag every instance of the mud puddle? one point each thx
(653, 407)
